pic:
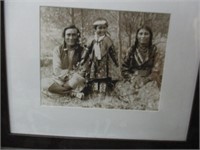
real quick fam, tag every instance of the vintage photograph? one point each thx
(95, 58)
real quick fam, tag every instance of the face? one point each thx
(143, 36)
(101, 30)
(71, 37)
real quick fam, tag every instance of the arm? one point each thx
(157, 62)
(113, 55)
(86, 53)
(155, 72)
(58, 72)
(126, 62)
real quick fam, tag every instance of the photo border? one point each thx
(9, 139)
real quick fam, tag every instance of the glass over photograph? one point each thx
(93, 58)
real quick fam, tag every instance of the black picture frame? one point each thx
(9, 139)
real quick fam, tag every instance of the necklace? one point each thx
(143, 49)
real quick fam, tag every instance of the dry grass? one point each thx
(124, 96)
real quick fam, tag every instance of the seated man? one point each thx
(67, 75)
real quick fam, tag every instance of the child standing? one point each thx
(101, 51)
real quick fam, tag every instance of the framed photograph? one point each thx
(85, 74)
(127, 86)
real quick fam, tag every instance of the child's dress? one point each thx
(101, 52)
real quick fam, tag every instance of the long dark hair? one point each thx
(71, 27)
(150, 32)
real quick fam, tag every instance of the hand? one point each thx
(82, 62)
(153, 76)
(66, 86)
(125, 75)
(66, 78)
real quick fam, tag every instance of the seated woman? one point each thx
(141, 59)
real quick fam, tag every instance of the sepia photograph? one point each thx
(95, 58)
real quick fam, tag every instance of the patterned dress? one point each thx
(100, 68)
(140, 62)
(99, 65)
(141, 67)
